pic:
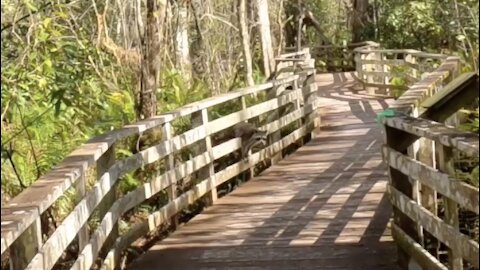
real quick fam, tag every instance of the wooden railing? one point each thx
(418, 191)
(425, 191)
(386, 69)
(336, 58)
(93, 171)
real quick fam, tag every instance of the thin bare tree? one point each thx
(265, 36)
(245, 36)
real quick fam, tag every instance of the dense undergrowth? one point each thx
(60, 87)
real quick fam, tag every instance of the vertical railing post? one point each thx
(413, 151)
(210, 170)
(427, 195)
(393, 139)
(454, 119)
(411, 59)
(298, 101)
(357, 58)
(445, 164)
(369, 77)
(26, 246)
(170, 165)
(273, 116)
(81, 189)
(309, 99)
(251, 173)
(104, 163)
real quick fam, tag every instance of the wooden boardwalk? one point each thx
(321, 208)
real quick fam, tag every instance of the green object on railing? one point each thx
(385, 113)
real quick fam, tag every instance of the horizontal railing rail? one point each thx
(337, 58)
(289, 98)
(387, 69)
(415, 208)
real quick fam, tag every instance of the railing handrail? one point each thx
(373, 68)
(24, 211)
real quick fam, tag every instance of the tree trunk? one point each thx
(266, 38)
(150, 63)
(200, 64)
(299, 26)
(182, 51)
(359, 19)
(291, 12)
(245, 36)
(301, 16)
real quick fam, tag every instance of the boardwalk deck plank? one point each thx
(323, 207)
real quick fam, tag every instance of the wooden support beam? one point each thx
(400, 182)
(170, 165)
(454, 96)
(445, 164)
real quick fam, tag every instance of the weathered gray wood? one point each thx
(161, 216)
(376, 60)
(369, 67)
(170, 165)
(459, 93)
(445, 164)
(252, 111)
(100, 151)
(427, 195)
(400, 182)
(132, 199)
(235, 232)
(51, 186)
(457, 241)
(165, 149)
(83, 233)
(274, 115)
(139, 195)
(462, 193)
(212, 194)
(465, 142)
(311, 99)
(99, 197)
(25, 247)
(412, 59)
(251, 172)
(104, 163)
(426, 87)
(415, 250)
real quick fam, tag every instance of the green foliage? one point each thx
(54, 91)
(431, 25)
(128, 183)
(175, 91)
(473, 177)
(472, 124)
(411, 25)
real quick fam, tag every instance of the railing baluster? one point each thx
(103, 165)
(26, 246)
(212, 194)
(400, 181)
(252, 168)
(428, 196)
(83, 233)
(445, 164)
(170, 165)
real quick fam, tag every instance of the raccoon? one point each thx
(251, 137)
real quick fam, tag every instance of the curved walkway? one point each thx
(323, 207)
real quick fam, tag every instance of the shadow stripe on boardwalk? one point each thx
(323, 207)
